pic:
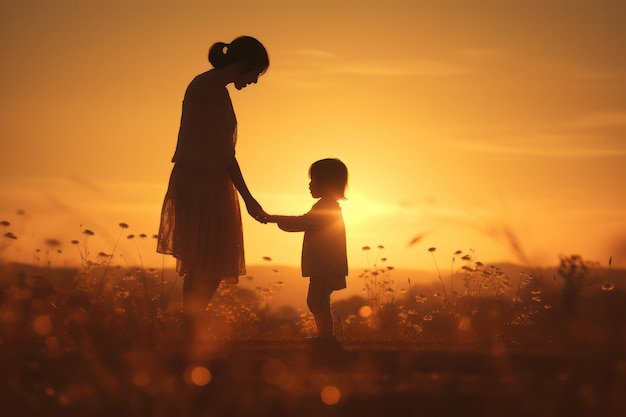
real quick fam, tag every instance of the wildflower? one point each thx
(143, 236)
(390, 268)
(432, 249)
(420, 298)
(10, 235)
(5, 223)
(74, 242)
(155, 236)
(130, 237)
(267, 258)
(607, 286)
(124, 225)
(381, 247)
(88, 232)
(458, 252)
(415, 240)
(366, 248)
(466, 258)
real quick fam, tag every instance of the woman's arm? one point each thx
(254, 208)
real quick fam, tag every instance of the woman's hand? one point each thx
(256, 211)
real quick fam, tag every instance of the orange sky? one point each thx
(462, 122)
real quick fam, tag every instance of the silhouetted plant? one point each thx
(576, 272)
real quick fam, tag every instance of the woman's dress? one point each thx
(201, 219)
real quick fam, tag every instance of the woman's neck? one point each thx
(229, 73)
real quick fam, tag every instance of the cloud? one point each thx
(409, 68)
(600, 120)
(477, 52)
(545, 145)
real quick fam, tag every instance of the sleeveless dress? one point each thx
(200, 218)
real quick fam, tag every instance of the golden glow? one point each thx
(458, 126)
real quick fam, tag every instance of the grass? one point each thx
(105, 337)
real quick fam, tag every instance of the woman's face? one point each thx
(249, 77)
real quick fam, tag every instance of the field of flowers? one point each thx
(105, 338)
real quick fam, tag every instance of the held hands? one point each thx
(256, 211)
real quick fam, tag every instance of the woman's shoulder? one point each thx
(204, 84)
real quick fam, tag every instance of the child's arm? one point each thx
(292, 223)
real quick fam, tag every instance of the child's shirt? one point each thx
(324, 244)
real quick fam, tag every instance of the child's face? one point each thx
(314, 188)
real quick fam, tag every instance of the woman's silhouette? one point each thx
(200, 219)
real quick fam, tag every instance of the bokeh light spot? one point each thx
(365, 311)
(52, 343)
(331, 395)
(141, 378)
(42, 325)
(200, 375)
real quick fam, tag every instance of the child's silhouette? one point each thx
(324, 258)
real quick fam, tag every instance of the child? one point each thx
(324, 258)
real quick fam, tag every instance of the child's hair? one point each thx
(245, 49)
(330, 174)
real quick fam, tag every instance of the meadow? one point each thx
(103, 338)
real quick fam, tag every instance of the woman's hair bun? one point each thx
(245, 49)
(217, 54)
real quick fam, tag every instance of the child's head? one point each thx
(329, 177)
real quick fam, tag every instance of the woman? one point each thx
(200, 218)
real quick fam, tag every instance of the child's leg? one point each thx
(318, 301)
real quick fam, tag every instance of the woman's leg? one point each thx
(197, 294)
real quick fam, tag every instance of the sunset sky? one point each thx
(471, 124)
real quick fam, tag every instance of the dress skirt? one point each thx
(201, 225)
